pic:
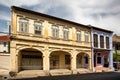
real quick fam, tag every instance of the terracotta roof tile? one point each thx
(4, 38)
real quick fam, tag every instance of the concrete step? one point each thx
(4, 74)
(102, 69)
(83, 71)
(32, 73)
(56, 72)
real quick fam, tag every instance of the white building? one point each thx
(4, 44)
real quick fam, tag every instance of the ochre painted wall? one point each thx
(45, 43)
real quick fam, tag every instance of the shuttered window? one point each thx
(78, 35)
(65, 33)
(55, 32)
(101, 41)
(107, 43)
(86, 37)
(23, 25)
(95, 36)
(38, 28)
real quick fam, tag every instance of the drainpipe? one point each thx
(9, 33)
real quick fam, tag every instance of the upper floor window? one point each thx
(95, 37)
(86, 37)
(107, 43)
(66, 33)
(23, 25)
(38, 28)
(101, 41)
(78, 35)
(55, 32)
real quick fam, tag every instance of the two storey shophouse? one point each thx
(102, 56)
(47, 43)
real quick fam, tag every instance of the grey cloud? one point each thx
(115, 3)
(60, 11)
(103, 13)
(4, 13)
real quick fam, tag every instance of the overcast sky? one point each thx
(100, 13)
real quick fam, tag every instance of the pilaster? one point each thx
(98, 41)
(111, 60)
(73, 60)
(46, 59)
(104, 42)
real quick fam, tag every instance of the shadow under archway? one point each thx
(30, 59)
(60, 60)
(82, 60)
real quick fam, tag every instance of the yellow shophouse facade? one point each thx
(46, 43)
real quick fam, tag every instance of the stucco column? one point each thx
(73, 61)
(111, 54)
(46, 60)
(98, 41)
(111, 60)
(17, 61)
(90, 62)
(13, 58)
(105, 42)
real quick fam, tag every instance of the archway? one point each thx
(82, 60)
(60, 60)
(30, 59)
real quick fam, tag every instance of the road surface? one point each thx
(90, 76)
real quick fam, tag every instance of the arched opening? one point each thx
(30, 59)
(82, 60)
(60, 60)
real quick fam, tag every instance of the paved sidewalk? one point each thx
(4, 74)
(118, 71)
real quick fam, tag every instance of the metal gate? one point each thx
(31, 61)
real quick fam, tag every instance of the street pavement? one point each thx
(90, 76)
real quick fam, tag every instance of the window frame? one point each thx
(78, 33)
(66, 33)
(101, 41)
(55, 31)
(107, 42)
(86, 37)
(39, 26)
(23, 25)
(95, 43)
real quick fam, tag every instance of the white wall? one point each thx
(4, 61)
